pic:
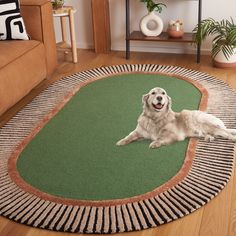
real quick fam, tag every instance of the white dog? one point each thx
(163, 126)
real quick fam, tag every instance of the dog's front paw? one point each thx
(122, 142)
(234, 138)
(209, 138)
(155, 144)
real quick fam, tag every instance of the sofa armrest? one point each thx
(37, 15)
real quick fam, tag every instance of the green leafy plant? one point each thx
(223, 32)
(57, 3)
(152, 6)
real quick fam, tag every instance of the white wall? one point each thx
(83, 23)
(185, 10)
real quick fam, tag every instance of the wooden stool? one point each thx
(63, 13)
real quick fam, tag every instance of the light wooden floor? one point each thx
(217, 218)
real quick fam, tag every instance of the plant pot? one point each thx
(175, 33)
(222, 62)
(151, 18)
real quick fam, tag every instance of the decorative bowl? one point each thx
(175, 33)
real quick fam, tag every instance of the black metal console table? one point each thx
(163, 37)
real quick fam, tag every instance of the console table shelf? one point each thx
(163, 37)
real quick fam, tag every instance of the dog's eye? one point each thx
(163, 93)
(153, 93)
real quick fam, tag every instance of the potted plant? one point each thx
(175, 29)
(224, 40)
(152, 6)
(57, 3)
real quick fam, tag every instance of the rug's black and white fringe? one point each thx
(211, 169)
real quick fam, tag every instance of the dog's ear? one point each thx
(144, 99)
(169, 105)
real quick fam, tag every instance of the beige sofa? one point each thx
(24, 64)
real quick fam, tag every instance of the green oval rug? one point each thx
(60, 169)
(75, 156)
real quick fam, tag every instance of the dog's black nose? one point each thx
(159, 98)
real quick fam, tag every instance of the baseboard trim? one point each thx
(167, 48)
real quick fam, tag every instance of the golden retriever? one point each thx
(159, 123)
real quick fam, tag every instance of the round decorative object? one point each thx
(222, 62)
(175, 33)
(157, 24)
(175, 29)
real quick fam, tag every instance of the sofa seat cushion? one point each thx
(22, 67)
(13, 49)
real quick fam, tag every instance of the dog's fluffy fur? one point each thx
(163, 126)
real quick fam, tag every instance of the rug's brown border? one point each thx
(15, 176)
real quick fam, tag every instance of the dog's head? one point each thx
(157, 100)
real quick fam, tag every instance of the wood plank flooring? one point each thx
(217, 218)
